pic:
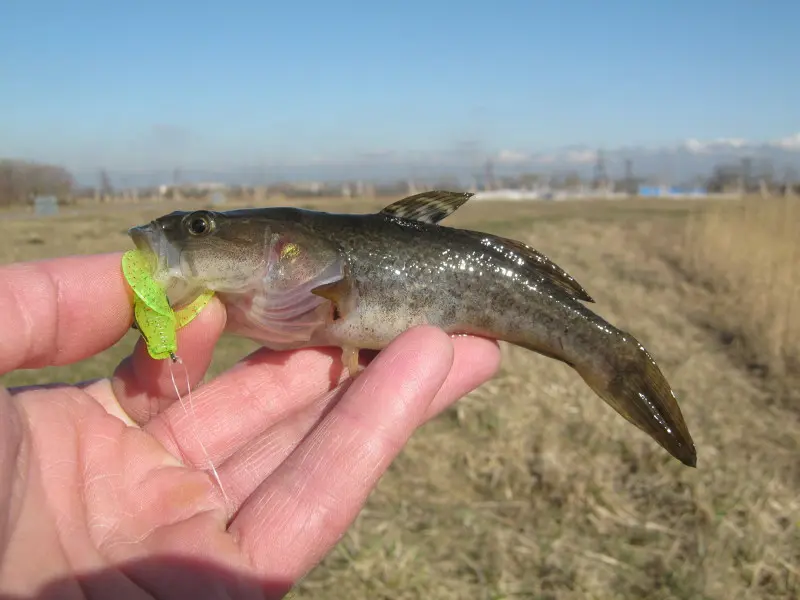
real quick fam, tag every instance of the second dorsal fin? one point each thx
(533, 261)
(427, 207)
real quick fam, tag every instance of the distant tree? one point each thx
(447, 182)
(236, 191)
(529, 180)
(572, 180)
(790, 176)
(725, 178)
(747, 174)
(21, 181)
(766, 173)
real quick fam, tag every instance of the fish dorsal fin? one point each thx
(427, 207)
(534, 262)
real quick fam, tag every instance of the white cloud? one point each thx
(791, 142)
(545, 159)
(693, 145)
(734, 142)
(512, 156)
(701, 147)
(581, 157)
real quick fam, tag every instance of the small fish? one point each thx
(293, 278)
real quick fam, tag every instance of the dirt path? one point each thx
(533, 488)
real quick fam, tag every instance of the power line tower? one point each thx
(600, 175)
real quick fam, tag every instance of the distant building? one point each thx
(45, 205)
(672, 191)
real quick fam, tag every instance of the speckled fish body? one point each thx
(293, 278)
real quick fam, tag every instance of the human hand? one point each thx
(103, 486)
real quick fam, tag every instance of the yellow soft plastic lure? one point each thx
(153, 315)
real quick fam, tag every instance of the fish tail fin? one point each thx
(631, 382)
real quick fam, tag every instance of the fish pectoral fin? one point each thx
(342, 294)
(427, 207)
(350, 360)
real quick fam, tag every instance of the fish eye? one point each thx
(199, 223)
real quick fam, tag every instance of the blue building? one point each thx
(662, 191)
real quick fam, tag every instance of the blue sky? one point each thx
(145, 84)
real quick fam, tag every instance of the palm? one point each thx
(114, 495)
(115, 489)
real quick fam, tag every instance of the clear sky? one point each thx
(145, 84)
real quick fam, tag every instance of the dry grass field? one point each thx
(531, 487)
(748, 257)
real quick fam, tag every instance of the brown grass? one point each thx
(749, 252)
(531, 487)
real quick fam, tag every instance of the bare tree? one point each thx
(530, 180)
(21, 181)
(725, 178)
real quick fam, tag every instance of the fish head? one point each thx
(202, 250)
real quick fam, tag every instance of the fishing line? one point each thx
(173, 360)
(158, 324)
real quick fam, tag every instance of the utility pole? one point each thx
(629, 182)
(600, 175)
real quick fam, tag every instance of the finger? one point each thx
(242, 473)
(60, 311)
(300, 512)
(475, 360)
(143, 386)
(263, 389)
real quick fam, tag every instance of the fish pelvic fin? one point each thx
(350, 360)
(427, 207)
(343, 297)
(636, 388)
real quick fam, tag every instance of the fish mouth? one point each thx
(144, 238)
(149, 240)
(164, 258)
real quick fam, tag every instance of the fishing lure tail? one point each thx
(152, 314)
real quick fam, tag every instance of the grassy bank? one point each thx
(531, 487)
(748, 254)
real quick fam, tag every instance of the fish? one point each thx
(293, 278)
